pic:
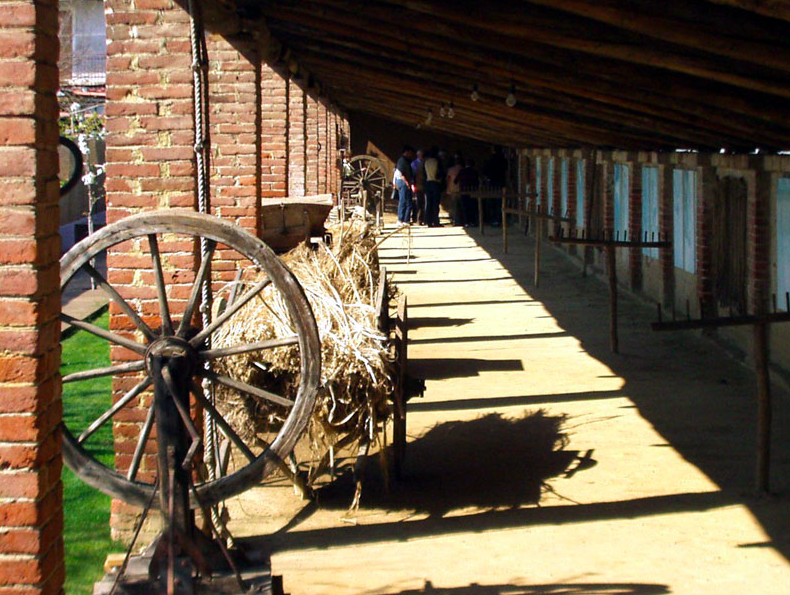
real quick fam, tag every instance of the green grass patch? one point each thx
(86, 530)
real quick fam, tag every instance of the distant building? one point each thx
(83, 43)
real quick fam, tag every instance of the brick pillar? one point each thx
(297, 141)
(31, 515)
(607, 187)
(150, 165)
(705, 273)
(666, 256)
(323, 147)
(635, 225)
(556, 197)
(311, 143)
(235, 118)
(274, 133)
(572, 192)
(759, 241)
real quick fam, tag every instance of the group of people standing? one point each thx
(421, 177)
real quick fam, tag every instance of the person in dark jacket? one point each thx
(402, 180)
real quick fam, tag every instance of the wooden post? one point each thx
(611, 263)
(504, 220)
(538, 228)
(763, 407)
(480, 211)
(399, 421)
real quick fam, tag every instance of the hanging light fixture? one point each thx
(451, 111)
(442, 110)
(475, 93)
(429, 117)
(511, 97)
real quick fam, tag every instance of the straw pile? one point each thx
(340, 284)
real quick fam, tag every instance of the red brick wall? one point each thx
(264, 143)
(31, 517)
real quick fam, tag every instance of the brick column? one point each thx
(311, 144)
(607, 187)
(572, 192)
(705, 273)
(635, 225)
(759, 241)
(323, 147)
(235, 119)
(297, 140)
(556, 201)
(274, 133)
(150, 165)
(666, 232)
(31, 516)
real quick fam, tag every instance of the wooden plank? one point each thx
(611, 265)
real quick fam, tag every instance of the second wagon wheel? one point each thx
(160, 349)
(368, 173)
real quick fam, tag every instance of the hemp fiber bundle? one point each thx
(340, 284)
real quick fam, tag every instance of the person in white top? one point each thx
(453, 189)
(433, 186)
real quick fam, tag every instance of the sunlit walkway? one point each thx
(538, 461)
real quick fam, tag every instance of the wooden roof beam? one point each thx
(557, 72)
(685, 135)
(515, 27)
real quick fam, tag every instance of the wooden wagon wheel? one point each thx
(169, 352)
(72, 158)
(370, 174)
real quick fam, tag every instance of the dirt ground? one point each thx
(538, 461)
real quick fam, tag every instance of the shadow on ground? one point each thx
(489, 463)
(696, 396)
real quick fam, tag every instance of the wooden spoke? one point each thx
(197, 390)
(234, 292)
(210, 354)
(136, 390)
(245, 388)
(167, 323)
(108, 371)
(140, 448)
(229, 311)
(122, 303)
(100, 332)
(200, 278)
